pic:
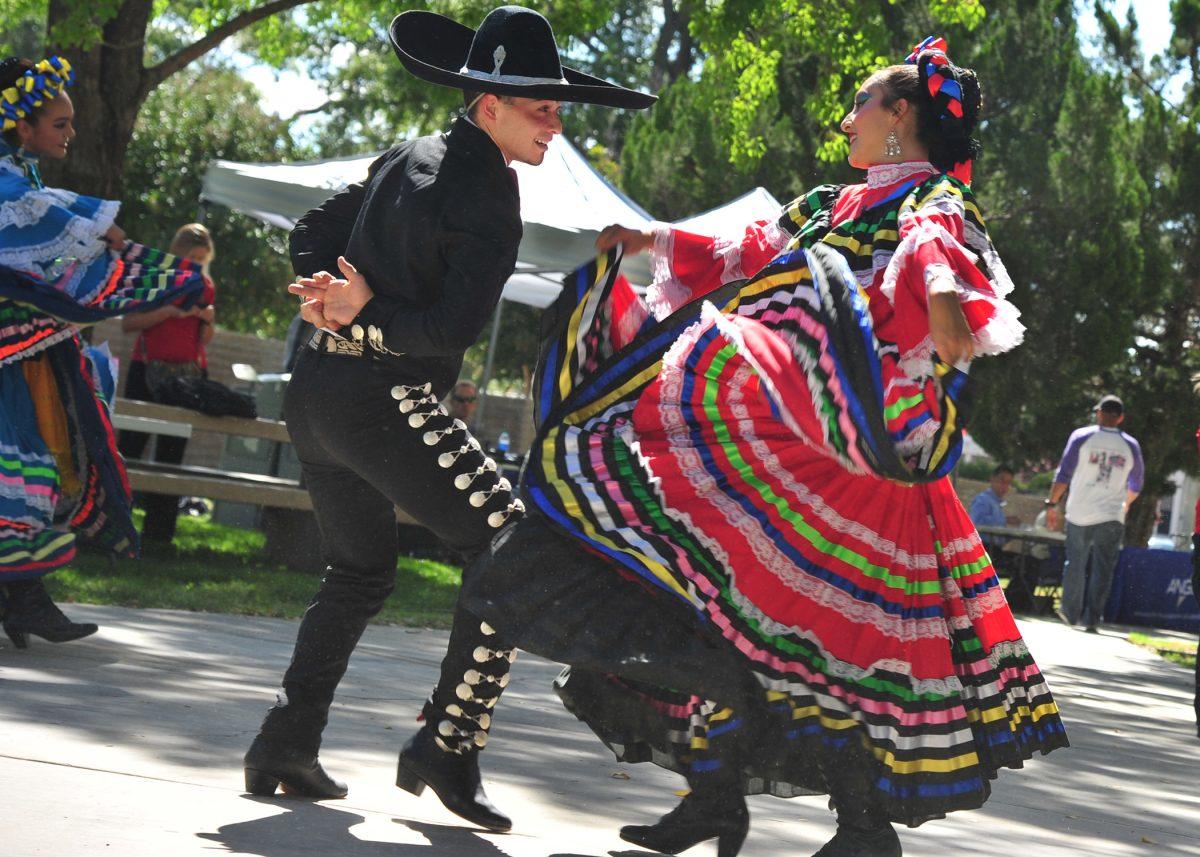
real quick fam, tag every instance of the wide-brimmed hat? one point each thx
(512, 53)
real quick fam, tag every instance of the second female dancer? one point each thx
(763, 471)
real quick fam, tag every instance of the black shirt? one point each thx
(434, 229)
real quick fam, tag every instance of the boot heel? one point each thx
(729, 844)
(260, 783)
(18, 638)
(409, 781)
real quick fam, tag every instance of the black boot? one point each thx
(879, 840)
(719, 814)
(298, 772)
(29, 610)
(284, 754)
(863, 828)
(454, 778)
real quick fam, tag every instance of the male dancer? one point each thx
(425, 245)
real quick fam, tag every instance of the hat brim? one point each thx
(433, 47)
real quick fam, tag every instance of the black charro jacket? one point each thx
(434, 228)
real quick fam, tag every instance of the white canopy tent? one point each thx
(565, 203)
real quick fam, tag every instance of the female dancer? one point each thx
(63, 263)
(774, 484)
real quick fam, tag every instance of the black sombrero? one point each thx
(512, 53)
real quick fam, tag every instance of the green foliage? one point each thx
(218, 569)
(202, 114)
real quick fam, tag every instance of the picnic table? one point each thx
(1027, 579)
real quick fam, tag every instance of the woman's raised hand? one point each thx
(635, 240)
(948, 326)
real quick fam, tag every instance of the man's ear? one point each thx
(487, 106)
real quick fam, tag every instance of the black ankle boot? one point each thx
(719, 814)
(269, 764)
(877, 841)
(29, 610)
(454, 778)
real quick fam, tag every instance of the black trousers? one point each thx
(368, 441)
(162, 510)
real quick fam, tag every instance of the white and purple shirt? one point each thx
(1100, 465)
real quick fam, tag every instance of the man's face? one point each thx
(1001, 482)
(523, 127)
(463, 400)
(1109, 419)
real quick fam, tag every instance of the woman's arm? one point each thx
(145, 320)
(208, 322)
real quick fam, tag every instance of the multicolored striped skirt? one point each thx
(60, 473)
(739, 457)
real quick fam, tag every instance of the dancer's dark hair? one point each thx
(947, 136)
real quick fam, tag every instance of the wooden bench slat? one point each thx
(218, 488)
(252, 488)
(267, 429)
(185, 470)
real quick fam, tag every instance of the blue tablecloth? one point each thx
(1153, 588)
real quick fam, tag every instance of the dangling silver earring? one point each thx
(891, 145)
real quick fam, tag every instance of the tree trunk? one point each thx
(1141, 520)
(108, 93)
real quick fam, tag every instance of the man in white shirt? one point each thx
(1102, 468)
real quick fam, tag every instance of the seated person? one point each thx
(987, 510)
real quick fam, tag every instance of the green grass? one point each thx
(219, 569)
(1176, 651)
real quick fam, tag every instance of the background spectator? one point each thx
(171, 343)
(463, 401)
(1102, 466)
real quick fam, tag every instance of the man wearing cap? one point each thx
(424, 247)
(1101, 474)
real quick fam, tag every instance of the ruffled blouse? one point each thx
(906, 226)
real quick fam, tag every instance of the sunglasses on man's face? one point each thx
(463, 400)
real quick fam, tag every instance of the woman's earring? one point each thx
(891, 145)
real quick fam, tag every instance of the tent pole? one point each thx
(488, 363)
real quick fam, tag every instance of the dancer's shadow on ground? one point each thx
(313, 828)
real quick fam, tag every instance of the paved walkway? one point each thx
(129, 744)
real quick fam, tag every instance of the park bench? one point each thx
(209, 482)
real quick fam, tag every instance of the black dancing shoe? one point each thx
(454, 778)
(702, 815)
(880, 841)
(29, 610)
(269, 765)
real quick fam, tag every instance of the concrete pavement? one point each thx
(129, 744)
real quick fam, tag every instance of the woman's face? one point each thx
(867, 125)
(199, 255)
(51, 134)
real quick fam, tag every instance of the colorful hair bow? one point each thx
(931, 43)
(937, 74)
(44, 81)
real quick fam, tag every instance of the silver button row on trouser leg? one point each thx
(464, 725)
(465, 480)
